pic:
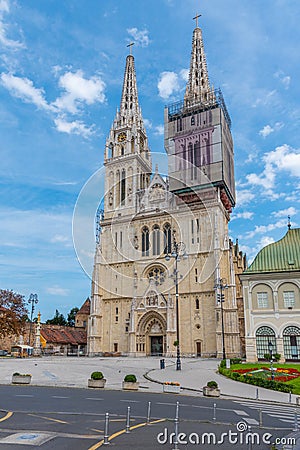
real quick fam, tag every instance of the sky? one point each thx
(61, 74)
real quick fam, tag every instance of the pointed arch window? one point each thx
(156, 240)
(123, 185)
(167, 239)
(145, 241)
(197, 303)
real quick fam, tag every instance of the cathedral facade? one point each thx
(164, 271)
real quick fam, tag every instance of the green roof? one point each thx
(281, 256)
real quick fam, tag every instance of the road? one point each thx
(68, 418)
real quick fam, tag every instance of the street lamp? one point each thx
(177, 251)
(270, 345)
(33, 300)
(220, 286)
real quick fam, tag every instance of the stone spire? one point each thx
(198, 89)
(129, 108)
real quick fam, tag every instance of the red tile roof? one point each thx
(63, 335)
(85, 308)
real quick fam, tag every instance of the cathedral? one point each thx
(165, 270)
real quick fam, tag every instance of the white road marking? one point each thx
(130, 401)
(23, 395)
(58, 396)
(250, 421)
(240, 412)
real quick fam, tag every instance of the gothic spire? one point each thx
(129, 108)
(198, 89)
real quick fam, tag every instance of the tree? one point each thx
(71, 316)
(13, 313)
(58, 319)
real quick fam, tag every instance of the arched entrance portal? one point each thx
(151, 334)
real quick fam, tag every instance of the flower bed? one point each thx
(286, 379)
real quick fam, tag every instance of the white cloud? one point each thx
(184, 73)
(140, 37)
(167, 84)
(265, 179)
(243, 197)
(4, 40)
(285, 212)
(61, 239)
(75, 127)
(56, 290)
(265, 228)
(79, 89)
(283, 158)
(148, 123)
(159, 130)
(4, 6)
(285, 79)
(267, 129)
(23, 88)
(265, 240)
(243, 215)
(265, 99)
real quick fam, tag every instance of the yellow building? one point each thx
(271, 287)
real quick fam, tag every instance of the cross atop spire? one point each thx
(130, 47)
(196, 18)
(289, 222)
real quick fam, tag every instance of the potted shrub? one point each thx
(97, 380)
(211, 389)
(130, 383)
(21, 378)
(171, 387)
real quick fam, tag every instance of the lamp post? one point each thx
(270, 345)
(177, 250)
(220, 286)
(33, 300)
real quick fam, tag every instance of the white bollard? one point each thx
(106, 426)
(128, 420)
(176, 421)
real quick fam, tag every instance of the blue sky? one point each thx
(61, 74)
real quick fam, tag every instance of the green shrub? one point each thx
(212, 384)
(232, 362)
(130, 378)
(235, 361)
(97, 376)
(276, 357)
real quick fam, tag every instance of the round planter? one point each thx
(21, 379)
(211, 392)
(96, 383)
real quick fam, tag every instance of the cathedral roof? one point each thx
(280, 256)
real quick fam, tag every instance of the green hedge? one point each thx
(232, 362)
(257, 381)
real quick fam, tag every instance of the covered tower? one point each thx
(199, 145)
(197, 136)
(127, 155)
